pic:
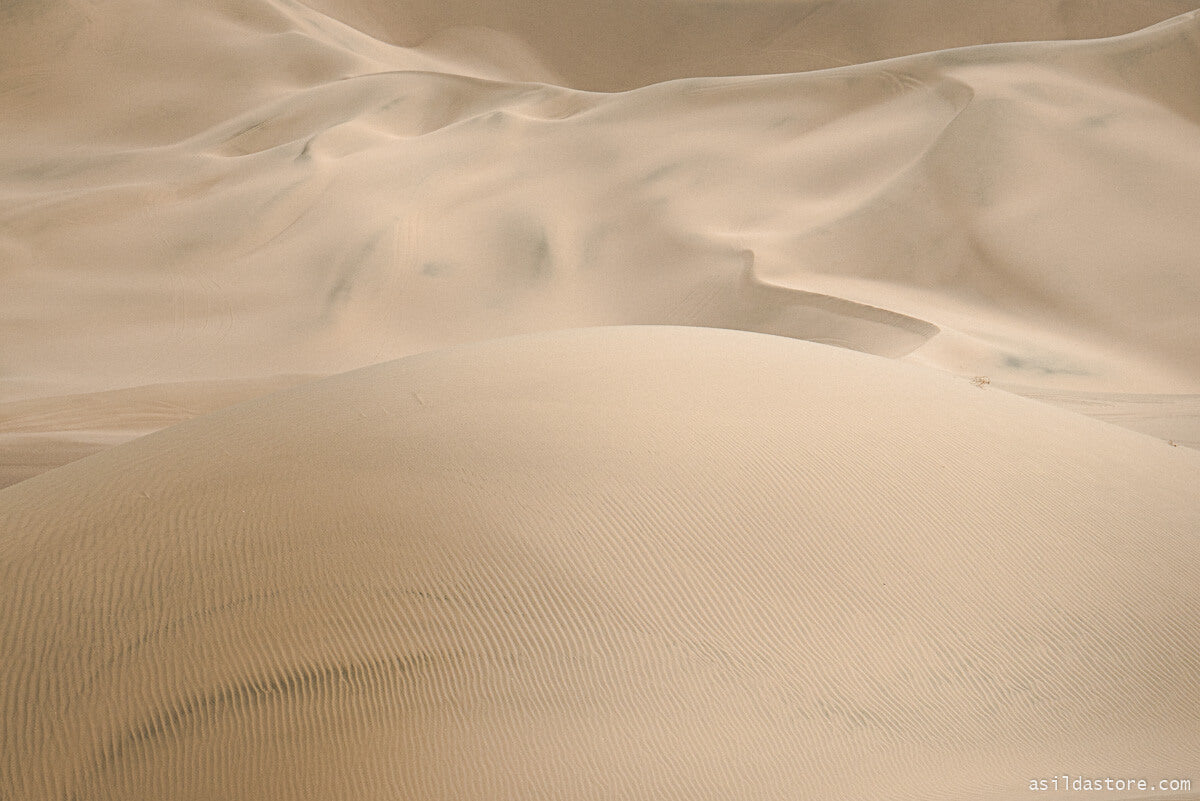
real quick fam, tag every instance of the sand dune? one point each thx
(328, 200)
(43, 433)
(658, 562)
(675, 447)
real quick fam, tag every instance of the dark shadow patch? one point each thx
(310, 681)
(1015, 362)
(348, 274)
(305, 153)
(531, 259)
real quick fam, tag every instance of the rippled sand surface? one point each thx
(403, 399)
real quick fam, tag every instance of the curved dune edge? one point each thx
(326, 199)
(43, 433)
(605, 563)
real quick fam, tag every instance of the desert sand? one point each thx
(476, 399)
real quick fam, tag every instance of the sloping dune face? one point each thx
(203, 191)
(691, 463)
(643, 562)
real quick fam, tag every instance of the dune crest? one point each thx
(660, 562)
(332, 200)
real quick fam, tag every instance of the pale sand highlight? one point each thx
(324, 200)
(37, 435)
(618, 562)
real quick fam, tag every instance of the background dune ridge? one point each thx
(656, 561)
(326, 199)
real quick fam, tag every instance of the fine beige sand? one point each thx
(192, 193)
(647, 562)
(421, 399)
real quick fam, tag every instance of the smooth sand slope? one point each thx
(702, 472)
(39, 434)
(635, 562)
(193, 192)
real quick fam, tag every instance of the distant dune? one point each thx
(665, 399)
